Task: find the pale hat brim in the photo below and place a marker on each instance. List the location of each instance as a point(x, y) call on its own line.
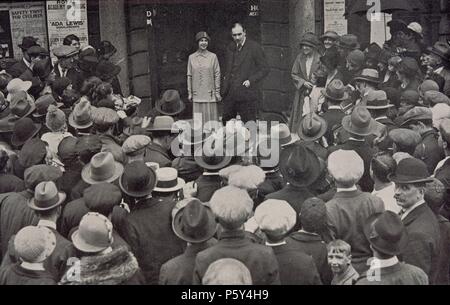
point(83, 246)
point(86, 174)
point(179, 186)
point(76, 125)
point(61, 197)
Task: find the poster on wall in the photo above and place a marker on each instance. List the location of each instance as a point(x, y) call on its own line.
point(65, 18)
point(334, 19)
point(27, 19)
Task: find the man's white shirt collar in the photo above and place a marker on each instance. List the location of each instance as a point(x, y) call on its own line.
point(411, 208)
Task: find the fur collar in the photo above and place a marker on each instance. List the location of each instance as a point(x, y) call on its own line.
point(113, 268)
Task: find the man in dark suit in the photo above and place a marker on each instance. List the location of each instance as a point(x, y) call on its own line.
point(442, 171)
point(66, 65)
point(26, 63)
point(334, 95)
point(246, 68)
point(423, 247)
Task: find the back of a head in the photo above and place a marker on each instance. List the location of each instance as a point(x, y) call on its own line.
point(435, 195)
point(227, 271)
point(382, 165)
point(313, 215)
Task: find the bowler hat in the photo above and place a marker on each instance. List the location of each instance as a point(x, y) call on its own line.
point(442, 50)
point(24, 129)
point(81, 116)
point(168, 180)
point(170, 103)
point(194, 223)
point(312, 127)
point(102, 168)
point(213, 155)
point(386, 233)
point(360, 122)
point(377, 99)
point(330, 34)
point(21, 106)
point(137, 179)
point(46, 197)
point(410, 170)
point(349, 42)
point(201, 35)
point(106, 70)
point(368, 75)
point(309, 39)
point(94, 234)
point(28, 42)
point(335, 91)
point(299, 165)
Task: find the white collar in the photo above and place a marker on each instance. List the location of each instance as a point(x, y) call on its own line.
point(411, 208)
point(378, 263)
point(271, 171)
point(380, 118)
point(306, 232)
point(28, 64)
point(61, 71)
point(336, 107)
point(439, 70)
point(358, 140)
point(47, 223)
point(210, 174)
point(350, 189)
point(33, 266)
point(440, 164)
point(243, 42)
point(275, 244)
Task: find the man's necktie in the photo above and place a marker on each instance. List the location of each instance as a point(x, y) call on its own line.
point(239, 47)
point(402, 211)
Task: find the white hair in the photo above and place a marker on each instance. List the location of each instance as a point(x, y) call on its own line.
point(345, 166)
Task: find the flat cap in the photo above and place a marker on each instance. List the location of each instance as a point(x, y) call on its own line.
point(405, 137)
point(417, 114)
point(275, 217)
point(410, 97)
point(135, 143)
point(435, 97)
point(65, 51)
point(104, 116)
point(37, 50)
point(40, 173)
point(444, 128)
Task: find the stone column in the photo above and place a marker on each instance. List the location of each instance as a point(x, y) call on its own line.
point(113, 28)
point(301, 20)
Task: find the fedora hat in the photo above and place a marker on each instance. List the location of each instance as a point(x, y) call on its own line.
point(442, 50)
point(21, 105)
point(386, 233)
point(377, 99)
point(335, 91)
point(163, 123)
point(102, 168)
point(94, 234)
point(310, 39)
point(46, 197)
point(299, 165)
point(194, 223)
point(170, 103)
point(312, 127)
point(213, 155)
point(28, 42)
point(137, 179)
point(16, 85)
point(368, 75)
point(360, 122)
point(106, 70)
point(168, 180)
point(410, 170)
point(23, 130)
point(81, 116)
point(42, 104)
point(283, 134)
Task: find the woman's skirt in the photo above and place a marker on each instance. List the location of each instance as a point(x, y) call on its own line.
point(208, 110)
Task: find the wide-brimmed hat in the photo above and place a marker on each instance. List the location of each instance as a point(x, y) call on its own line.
point(170, 103)
point(410, 170)
point(168, 180)
point(16, 85)
point(377, 99)
point(102, 168)
point(299, 165)
point(24, 129)
point(386, 233)
point(335, 91)
point(28, 42)
point(106, 70)
point(94, 234)
point(137, 180)
point(21, 105)
point(282, 133)
point(442, 50)
point(201, 35)
point(309, 39)
point(46, 197)
point(163, 123)
point(81, 116)
point(42, 104)
point(360, 122)
point(194, 223)
point(349, 42)
point(330, 34)
point(312, 127)
point(213, 155)
point(368, 75)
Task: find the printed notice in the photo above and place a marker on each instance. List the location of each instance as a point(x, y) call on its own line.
point(334, 19)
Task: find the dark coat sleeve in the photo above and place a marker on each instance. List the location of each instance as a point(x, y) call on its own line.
point(261, 64)
point(419, 251)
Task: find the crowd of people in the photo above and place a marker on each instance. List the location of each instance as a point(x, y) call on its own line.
point(92, 192)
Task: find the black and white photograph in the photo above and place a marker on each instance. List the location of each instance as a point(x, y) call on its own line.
point(225, 142)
